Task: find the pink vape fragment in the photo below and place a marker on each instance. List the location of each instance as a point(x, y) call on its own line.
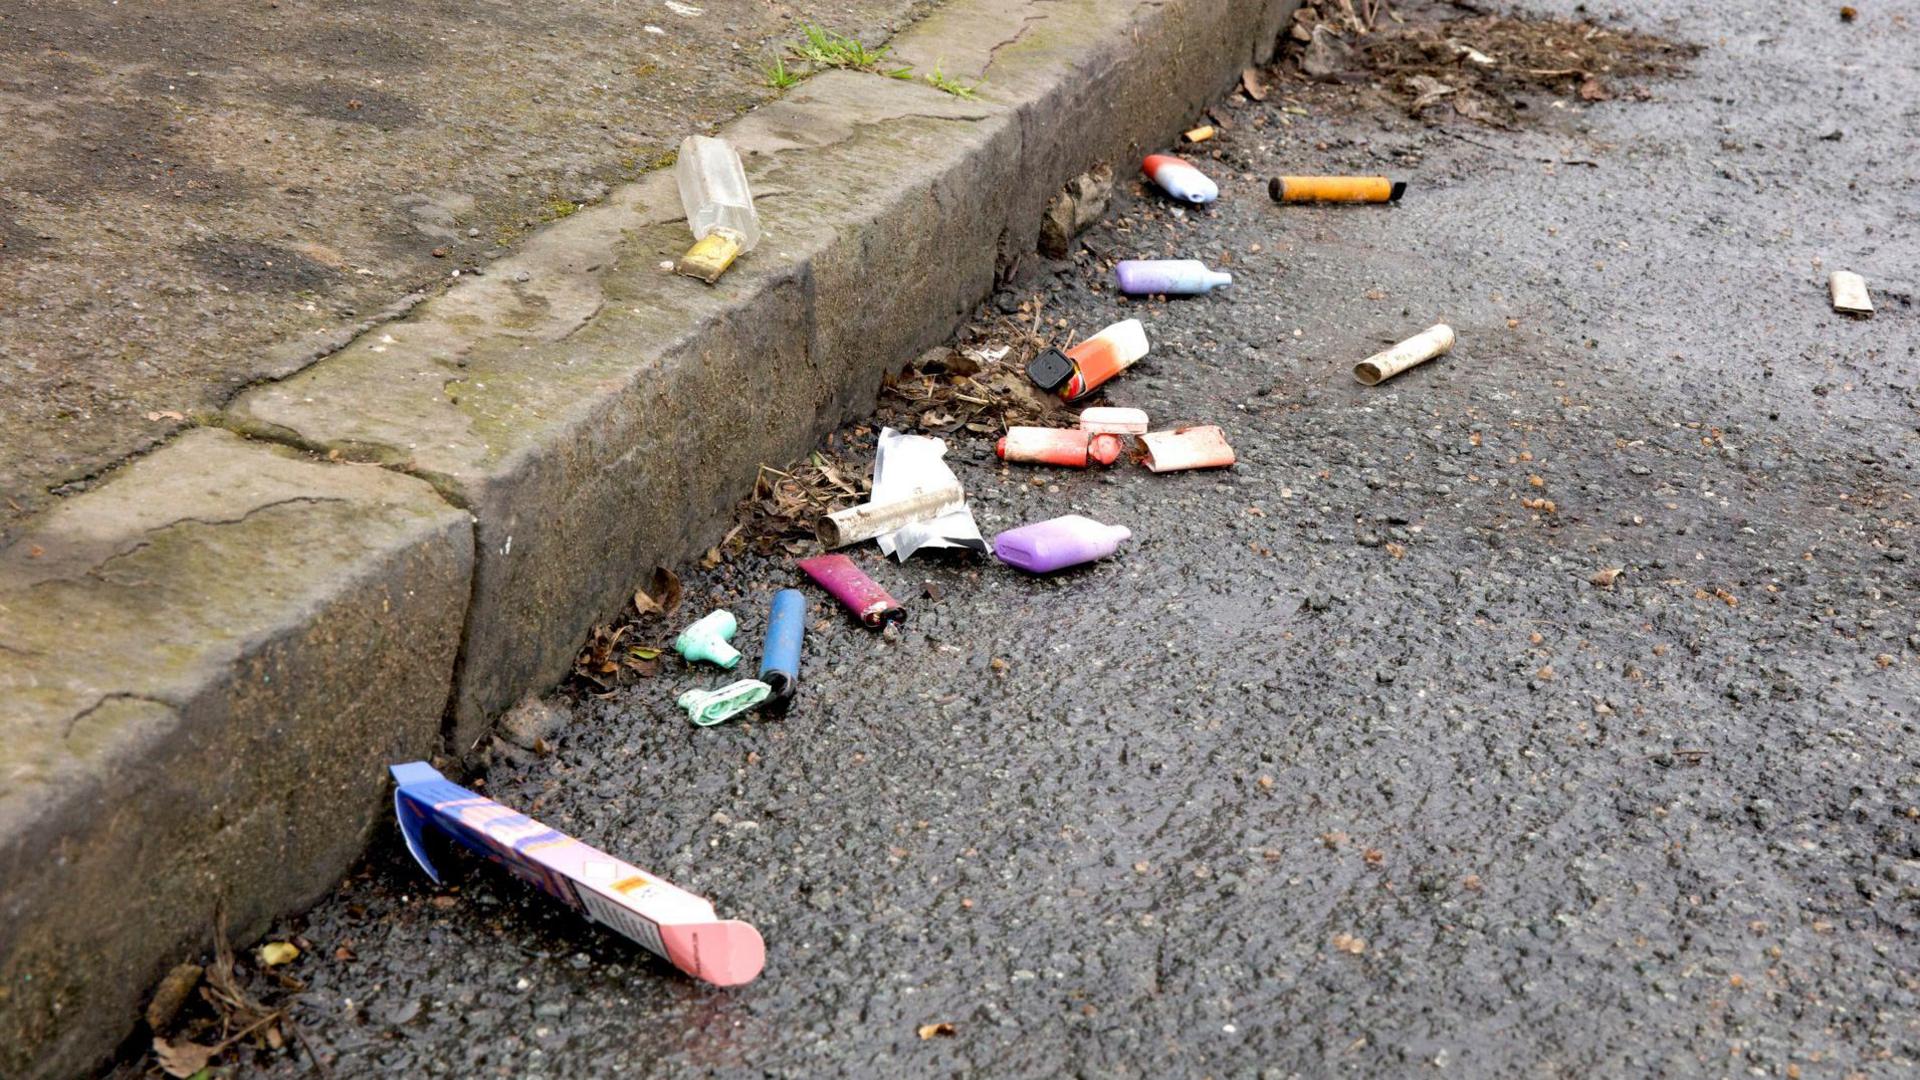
point(860, 593)
point(1178, 178)
point(670, 921)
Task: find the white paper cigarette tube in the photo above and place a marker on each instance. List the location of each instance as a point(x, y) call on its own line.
point(1412, 352)
point(868, 520)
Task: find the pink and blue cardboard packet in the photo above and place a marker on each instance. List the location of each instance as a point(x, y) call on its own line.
point(676, 925)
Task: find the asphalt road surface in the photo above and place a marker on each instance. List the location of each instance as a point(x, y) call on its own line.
point(1345, 763)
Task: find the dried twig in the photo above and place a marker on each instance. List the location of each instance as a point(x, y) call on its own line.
point(319, 1063)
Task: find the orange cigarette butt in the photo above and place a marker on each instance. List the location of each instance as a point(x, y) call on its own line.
point(1200, 134)
point(1303, 189)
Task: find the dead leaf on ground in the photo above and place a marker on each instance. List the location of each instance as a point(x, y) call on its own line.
point(662, 594)
point(993, 395)
point(275, 953)
point(1592, 89)
point(596, 660)
point(1474, 107)
point(785, 504)
point(643, 661)
point(1605, 578)
point(1472, 54)
point(1426, 90)
point(224, 990)
point(187, 1059)
point(937, 1031)
point(238, 1014)
point(172, 994)
point(182, 1059)
point(1253, 84)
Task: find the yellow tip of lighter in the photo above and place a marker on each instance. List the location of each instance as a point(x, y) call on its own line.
point(710, 256)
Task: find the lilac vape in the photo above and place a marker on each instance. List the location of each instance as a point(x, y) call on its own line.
point(1168, 277)
point(1046, 546)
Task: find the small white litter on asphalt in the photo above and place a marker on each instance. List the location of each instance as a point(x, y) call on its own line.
point(1850, 293)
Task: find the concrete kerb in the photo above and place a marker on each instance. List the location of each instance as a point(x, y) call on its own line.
point(206, 662)
point(596, 416)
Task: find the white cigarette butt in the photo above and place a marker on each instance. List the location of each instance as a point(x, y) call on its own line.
point(1412, 352)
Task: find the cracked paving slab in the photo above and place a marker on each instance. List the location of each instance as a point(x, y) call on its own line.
point(465, 381)
point(167, 588)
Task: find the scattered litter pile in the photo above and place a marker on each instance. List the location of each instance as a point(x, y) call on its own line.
point(1018, 381)
point(1013, 382)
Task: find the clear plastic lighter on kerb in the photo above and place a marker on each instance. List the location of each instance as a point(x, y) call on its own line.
point(713, 191)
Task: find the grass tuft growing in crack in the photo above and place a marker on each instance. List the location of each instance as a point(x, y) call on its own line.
point(779, 76)
point(939, 81)
point(823, 48)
